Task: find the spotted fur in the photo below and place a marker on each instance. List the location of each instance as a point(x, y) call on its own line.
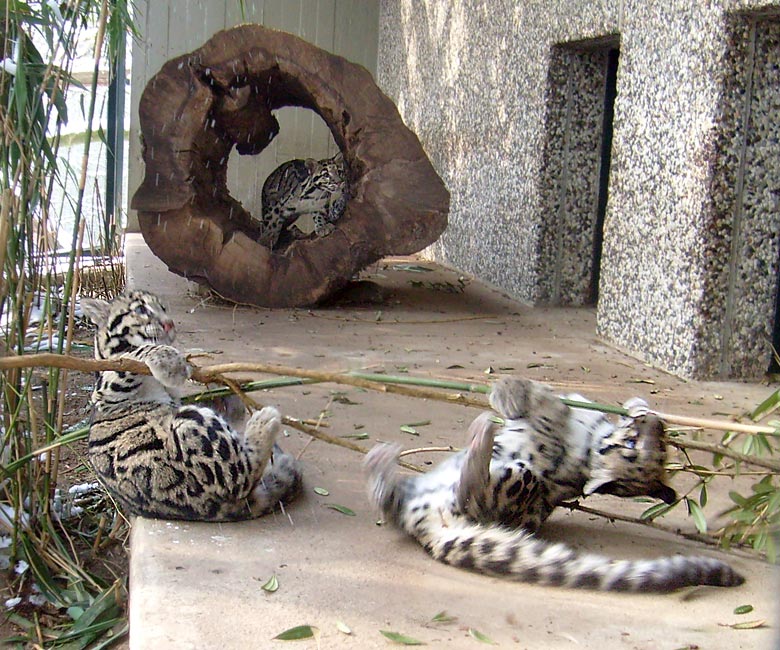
point(159, 458)
point(480, 508)
point(298, 187)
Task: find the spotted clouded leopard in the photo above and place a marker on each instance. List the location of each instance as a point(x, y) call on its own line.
point(299, 187)
point(480, 509)
point(159, 458)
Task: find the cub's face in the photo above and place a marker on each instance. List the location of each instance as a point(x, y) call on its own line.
point(630, 461)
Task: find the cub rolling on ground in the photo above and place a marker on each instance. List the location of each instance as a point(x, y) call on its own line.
point(159, 458)
point(481, 508)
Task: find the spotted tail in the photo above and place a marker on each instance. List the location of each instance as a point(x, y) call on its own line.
point(519, 555)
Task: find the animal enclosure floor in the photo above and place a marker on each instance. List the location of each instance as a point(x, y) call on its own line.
point(200, 585)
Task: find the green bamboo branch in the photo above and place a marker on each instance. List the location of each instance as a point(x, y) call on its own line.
point(419, 387)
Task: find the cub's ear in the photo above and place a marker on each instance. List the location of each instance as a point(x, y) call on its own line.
point(96, 310)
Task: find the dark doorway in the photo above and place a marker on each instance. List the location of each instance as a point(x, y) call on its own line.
point(580, 98)
point(610, 93)
point(774, 365)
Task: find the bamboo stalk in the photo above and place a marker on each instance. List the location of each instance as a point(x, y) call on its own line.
point(410, 386)
point(208, 373)
point(214, 374)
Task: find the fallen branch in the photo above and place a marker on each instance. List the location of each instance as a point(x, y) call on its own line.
point(709, 540)
point(417, 387)
point(425, 388)
point(766, 463)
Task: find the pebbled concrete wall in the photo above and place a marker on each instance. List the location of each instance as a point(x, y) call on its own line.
point(507, 107)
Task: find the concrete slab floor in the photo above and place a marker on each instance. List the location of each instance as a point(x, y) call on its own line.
point(196, 585)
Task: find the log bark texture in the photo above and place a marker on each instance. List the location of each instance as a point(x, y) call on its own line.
point(200, 105)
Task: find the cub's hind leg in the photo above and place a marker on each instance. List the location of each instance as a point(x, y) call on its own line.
point(515, 398)
point(260, 433)
point(281, 472)
point(473, 490)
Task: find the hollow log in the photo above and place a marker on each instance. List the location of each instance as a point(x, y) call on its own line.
point(200, 105)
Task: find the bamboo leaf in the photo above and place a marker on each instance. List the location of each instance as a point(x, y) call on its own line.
point(443, 617)
point(271, 585)
point(656, 511)
point(297, 633)
point(321, 491)
point(737, 498)
point(770, 404)
point(743, 609)
point(481, 637)
point(339, 508)
point(343, 627)
point(694, 509)
point(400, 638)
point(747, 625)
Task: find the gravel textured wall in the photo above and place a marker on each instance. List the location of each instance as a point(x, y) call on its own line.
point(507, 106)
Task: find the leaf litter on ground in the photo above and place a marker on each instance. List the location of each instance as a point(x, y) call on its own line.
point(297, 633)
point(400, 638)
point(339, 508)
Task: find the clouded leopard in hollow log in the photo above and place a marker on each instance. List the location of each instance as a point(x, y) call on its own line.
point(318, 188)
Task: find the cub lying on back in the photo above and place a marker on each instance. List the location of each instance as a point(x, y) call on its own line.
point(160, 459)
point(480, 509)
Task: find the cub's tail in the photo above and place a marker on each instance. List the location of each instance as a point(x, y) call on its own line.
point(523, 557)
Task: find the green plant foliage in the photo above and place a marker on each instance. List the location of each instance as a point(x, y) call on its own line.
point(39, 45)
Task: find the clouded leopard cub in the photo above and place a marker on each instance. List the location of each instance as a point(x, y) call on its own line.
point(160, 459)
point(298, 187)
point(480, 509)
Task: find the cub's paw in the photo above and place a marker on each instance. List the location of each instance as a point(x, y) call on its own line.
point(261, 431)
point(267, 418)
point(168, 366)
point(323, 230)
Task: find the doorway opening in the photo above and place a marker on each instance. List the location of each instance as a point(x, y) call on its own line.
point(581, 93)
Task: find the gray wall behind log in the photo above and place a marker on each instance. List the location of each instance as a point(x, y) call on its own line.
point(175, 27)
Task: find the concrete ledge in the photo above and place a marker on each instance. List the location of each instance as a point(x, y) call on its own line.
point(195, 585)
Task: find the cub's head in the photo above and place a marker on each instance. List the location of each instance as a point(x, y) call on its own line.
point(630, 460)
point(129, 321)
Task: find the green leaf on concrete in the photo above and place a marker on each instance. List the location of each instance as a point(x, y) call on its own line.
point(321, 491)
point(481, 637)
point(297, 633)
point(271, 585)
point(342, 509)
point(400, 638)
point(743, 609)
point(443, 617)
point(770, 404)
point(747, 625)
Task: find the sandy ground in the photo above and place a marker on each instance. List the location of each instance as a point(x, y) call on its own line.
point(199, 585)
